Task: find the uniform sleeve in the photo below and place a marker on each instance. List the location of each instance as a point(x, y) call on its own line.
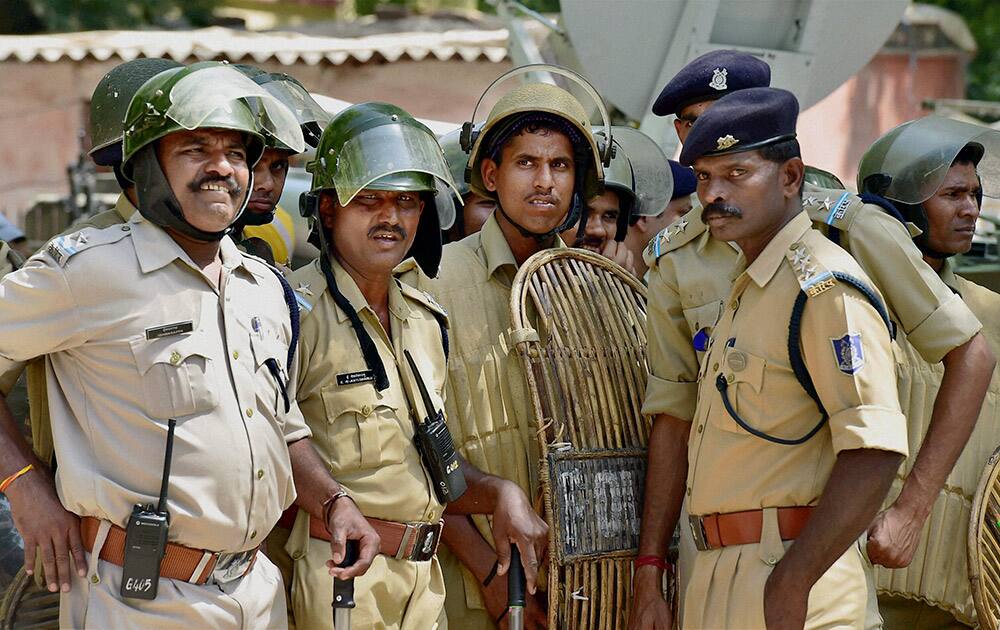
point(936, 321)
point(294, 424)
point(848, 353)
point(672, 387)
point(38, 313)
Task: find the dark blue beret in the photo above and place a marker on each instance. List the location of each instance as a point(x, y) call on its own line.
point(742, 121)
point(712, 76)
point(684, 180)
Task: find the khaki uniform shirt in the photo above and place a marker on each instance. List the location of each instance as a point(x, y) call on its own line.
point(366, 436)
point(152, 340)
point(689, 281)
point(938, 573)
point(847, 351)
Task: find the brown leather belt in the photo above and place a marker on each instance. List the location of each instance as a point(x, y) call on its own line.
point(716, 531)
point(416, 542)
point(179, 562)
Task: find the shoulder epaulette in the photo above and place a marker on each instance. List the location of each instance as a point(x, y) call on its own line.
point(422, 297)
point(835, 208)
point(64, 247)
point(307, 285)
point(813, 277)
point(680, 232)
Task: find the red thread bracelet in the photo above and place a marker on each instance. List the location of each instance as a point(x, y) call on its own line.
point(652, 561)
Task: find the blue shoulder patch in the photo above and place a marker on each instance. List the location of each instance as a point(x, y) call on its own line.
point(848, 353)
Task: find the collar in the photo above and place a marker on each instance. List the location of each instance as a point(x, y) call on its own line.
point(155, 249)
point(497, 250)
point(767, 263)
point(948, 275)
point(397, 303)
point(124, 208)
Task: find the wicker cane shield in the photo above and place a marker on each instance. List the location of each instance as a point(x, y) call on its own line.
point(984, 545)
point(579, 328)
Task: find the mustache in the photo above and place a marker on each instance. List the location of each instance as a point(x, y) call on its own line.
point(385, 227)
point(721, 209)
point(229, 182)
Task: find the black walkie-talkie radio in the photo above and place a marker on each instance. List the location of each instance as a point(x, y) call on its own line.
point(146, 537)
point(436, 446)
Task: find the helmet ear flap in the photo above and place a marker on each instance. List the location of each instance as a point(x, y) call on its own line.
point(876, 184)
point(469, 136)
point(309, 204)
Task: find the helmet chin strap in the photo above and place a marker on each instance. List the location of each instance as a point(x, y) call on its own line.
point(159, 205)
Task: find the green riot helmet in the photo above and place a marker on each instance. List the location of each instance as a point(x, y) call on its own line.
point(548, 104)
point(639, 173)
point(378, 146)
point(287, 89)
point(823, 179)
point(908, 165)
point(108, 105)
point(206, 95)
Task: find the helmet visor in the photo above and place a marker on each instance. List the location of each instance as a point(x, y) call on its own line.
point(640, 165)
point(387, 149)
point(917, 156)
point(210, 92)
point(296, 98)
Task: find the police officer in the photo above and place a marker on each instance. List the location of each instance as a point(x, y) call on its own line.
point(537, 158)
point(642, 229)
point(689, 282)
point(381, 191)
point(794, 443)
point(265, 229)
point(637, 184)
point(933, 590)
point(187, 329)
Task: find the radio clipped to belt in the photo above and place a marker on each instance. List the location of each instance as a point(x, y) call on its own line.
point(146, 537)
point(434, 442)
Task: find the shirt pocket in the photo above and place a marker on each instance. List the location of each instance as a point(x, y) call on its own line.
point(363, 431)
point(701, 321)
point(271, 378)
point(743, 374)
point(177, 375)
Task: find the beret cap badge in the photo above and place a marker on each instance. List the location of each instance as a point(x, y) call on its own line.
point(718, 81)
point(725, 142)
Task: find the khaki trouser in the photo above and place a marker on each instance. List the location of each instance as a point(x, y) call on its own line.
point(725, 587)
point(254, 601)
point(464, 607)
point(393, 594)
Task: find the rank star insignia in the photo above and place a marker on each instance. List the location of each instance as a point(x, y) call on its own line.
point(718, 81)
point(681, 226)
point(827, 204)
point(80, 239)
point(725, 142)
point(800, 257)
point(810, 200)
point(304, 289)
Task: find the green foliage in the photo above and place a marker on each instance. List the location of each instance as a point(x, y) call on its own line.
point(983, 18)
point(86, 15)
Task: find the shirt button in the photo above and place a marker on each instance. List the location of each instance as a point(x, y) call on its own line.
point(701, 428)
point(236, 354)
point(771, 561)
point(730, 378)
point(125, 228)
point(253, 534)
point(94, 579)
point(366, 410)
point(734, 304)
point(297, 555)
point(249, 412)
point(715, 367)
point(175, 357)
point(260, 473)
point(689, 491)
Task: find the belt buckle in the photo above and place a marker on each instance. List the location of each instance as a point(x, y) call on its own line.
point(232, 566)
point(697, 527)
point(425, 539)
